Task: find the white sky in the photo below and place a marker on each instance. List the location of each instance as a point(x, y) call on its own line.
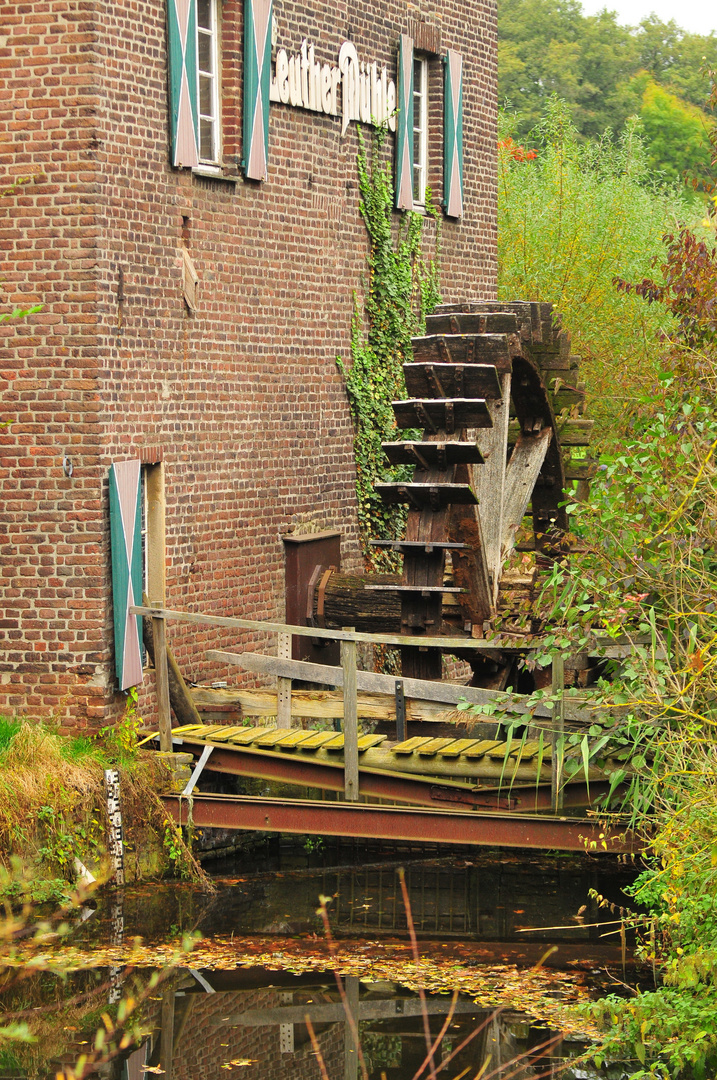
point(697, 16)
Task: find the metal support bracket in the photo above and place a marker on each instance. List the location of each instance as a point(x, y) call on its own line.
point(400, 711)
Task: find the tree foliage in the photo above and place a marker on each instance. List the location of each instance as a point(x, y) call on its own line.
point(570, 220)
point(606, 73)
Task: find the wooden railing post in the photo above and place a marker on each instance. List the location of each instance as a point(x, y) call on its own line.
point(283, 685)
point(351, 770)
point(558, 740)
point(159, 637)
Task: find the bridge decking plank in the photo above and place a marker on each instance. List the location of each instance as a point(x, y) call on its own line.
point(432, 747)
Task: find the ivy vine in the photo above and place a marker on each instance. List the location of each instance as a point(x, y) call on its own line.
point(402, 288)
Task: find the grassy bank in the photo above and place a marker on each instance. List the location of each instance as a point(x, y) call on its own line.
point(53, 806)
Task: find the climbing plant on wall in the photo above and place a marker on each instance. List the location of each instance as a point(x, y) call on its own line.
point(400, 290)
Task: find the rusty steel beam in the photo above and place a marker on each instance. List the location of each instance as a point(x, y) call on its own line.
point(397, 787)
point(397, 823)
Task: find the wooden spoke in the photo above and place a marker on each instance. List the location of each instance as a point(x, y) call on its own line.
point(520, 478)
point(489, 480)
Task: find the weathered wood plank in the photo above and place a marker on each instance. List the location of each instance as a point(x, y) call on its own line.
point(408, 746)
point(323, 705)
point(489, 482)
point(247, 737)
point(451, 380)
point(456, 747)
point(436, 496)
point(433, 746)
point(271, 738)
point(159, 640)
point(297, 736)
point(442, 414)
point(447, 693)
point(318, 739)
point(570, 432)
point(522, 471)
point(351, 770)
point(227, 733)
point(435, 455)
point(445, 643)
point(462, 348)
point(483, 748)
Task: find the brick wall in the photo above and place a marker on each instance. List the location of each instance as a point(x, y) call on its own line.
point(51, 527)
point(243, 398)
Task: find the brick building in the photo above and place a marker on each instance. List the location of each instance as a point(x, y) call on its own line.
point(185, 210)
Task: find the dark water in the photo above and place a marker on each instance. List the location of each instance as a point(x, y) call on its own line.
point(248, 1021)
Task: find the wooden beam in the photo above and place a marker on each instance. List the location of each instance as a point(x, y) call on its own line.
point(349, 679)
point(604, 645)
point(522, 471)
point(446, 643)
point(446, 693)
point(489, 480)
point(322, 705)
point(180, 698)
point(164, 715)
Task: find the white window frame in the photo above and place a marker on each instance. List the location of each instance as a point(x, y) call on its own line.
point(420, 129)
point(213, 119)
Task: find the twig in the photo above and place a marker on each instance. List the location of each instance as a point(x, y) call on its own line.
point(438, 1039)
point(316, 1048)
point(416, 957)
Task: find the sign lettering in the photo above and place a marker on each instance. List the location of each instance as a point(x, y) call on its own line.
point(367, 93)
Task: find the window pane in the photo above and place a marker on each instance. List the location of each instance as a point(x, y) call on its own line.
point(206, 150)
point(204, 14)
point(417, 70)
point(205, 52)
point(205, 96)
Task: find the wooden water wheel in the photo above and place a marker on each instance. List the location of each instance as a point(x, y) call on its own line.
point(494, 388)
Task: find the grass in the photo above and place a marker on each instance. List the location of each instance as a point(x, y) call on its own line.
point(53, 805)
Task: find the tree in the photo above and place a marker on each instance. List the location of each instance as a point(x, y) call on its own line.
point(605, 73)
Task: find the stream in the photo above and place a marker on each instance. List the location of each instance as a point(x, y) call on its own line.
point(258, 980)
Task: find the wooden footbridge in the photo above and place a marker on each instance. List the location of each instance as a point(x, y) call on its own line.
point(457, 788)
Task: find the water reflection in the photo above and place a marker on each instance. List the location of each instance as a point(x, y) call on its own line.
point(273, 1025)
point(451, 899)
point(260, 1025)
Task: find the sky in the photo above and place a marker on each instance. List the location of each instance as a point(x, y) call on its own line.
point(697, 16)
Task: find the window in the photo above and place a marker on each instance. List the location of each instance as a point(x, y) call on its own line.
point(420, 129)
point(208, 79)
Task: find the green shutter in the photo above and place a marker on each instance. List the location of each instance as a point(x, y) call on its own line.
point(126, 542)
point(404, 125)
point(183, 104)
point(453, 135)
point(257, 77)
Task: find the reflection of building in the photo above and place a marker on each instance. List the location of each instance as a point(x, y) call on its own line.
point(195, 242)
point(210, 1021)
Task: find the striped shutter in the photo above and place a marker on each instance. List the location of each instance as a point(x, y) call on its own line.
point(183, 104)
point(453, 135)
point(126, 541)
point(404, 125)
point(257, 77)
